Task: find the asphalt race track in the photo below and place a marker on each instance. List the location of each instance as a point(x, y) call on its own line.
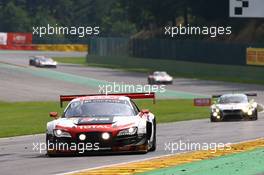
point(48, 84)
point(18, 157)
point(19, 82)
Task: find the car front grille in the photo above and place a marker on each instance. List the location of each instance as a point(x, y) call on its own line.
point(95, 137)
point(232, 112)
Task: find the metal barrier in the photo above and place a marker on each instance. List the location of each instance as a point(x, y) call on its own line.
point(215, 52)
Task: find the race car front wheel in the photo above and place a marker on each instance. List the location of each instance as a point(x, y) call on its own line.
point(48, 153)
point(213, 119)
point(154, 143)
point(150, 81)
point(255, 117)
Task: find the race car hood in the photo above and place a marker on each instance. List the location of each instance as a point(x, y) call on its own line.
point(115, 121)
point(163, 78)
point(232, 106)
point(47, 62)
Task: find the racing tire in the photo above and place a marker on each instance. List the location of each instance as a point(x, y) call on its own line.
point(150, 81)
point(48, 154)
point(154, 143)
point(31, 63)
point(255, 117)
point(213, 119)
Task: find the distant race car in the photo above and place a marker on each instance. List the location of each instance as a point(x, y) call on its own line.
point(234, 106)
point(159, 77)
point(42, 61)
point(111, 123)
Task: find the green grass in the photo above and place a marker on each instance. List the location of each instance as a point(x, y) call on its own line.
point(23, 118)
point(71, 60)
point(174, 110)
point(229, 73)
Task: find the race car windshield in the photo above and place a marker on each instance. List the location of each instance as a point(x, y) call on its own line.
point(160, 74)
point(45, 59)
point(233, 99)
point(99, 108)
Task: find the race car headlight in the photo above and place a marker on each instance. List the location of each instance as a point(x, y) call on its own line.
point(105, 135)
point(215, 114)
point(245, 109)
point(82, 137)
point(215, 110)
point(250, 112)
point(254, 105)
point(129, 131)
point(61, 133)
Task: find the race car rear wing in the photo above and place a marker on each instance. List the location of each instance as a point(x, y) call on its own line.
point(247, 94)
point(64, 98)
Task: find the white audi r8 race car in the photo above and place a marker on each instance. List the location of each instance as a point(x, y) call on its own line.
point(234, 106)
point(160, 78)
point(102, 123)
point(42, 61)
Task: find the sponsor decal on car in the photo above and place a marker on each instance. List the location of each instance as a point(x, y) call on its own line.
point(93, 126)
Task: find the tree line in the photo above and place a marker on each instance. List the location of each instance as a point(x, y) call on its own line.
point(116, 17)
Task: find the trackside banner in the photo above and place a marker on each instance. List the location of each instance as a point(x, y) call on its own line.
point(255, 56)
point(202, 102)
point(3, 38)
point(16, 41)
point(19, 38)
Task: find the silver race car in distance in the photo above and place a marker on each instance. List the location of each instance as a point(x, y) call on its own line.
point(160, 77)
point(234, 107)
point(42, 61)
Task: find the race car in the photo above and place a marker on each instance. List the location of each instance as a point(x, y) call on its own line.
point(42, 61)
point(234, 106)
point(102, 123)
point(159, 77)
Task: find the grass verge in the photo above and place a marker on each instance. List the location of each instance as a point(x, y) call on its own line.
point(23, 118)
point(71, 60)
point(229, 73)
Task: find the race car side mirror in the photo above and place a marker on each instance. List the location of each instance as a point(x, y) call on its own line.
point(144, 111)
point(53, 114)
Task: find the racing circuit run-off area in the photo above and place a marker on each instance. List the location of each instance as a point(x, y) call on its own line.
point(115, 87)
